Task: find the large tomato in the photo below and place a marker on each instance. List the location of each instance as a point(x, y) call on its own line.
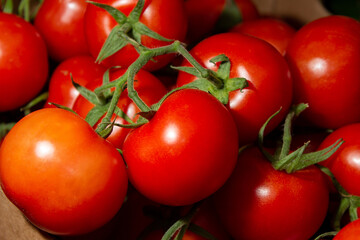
point(64, 177)
point(149, 88)
point(323, 57)
point(270, 85)
point(167, 18)
point(23, 62)
point(259, 202)
point(185, 152)
point(275, 31)
point(82, 69)
point(61, 23)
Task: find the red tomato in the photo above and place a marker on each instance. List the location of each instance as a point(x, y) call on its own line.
point(167, 18)
point(64, 177)
point(248, 9)
point(21, 47)
point(323, 57)
point(275, 31)
point(270, 86)
point(350, 231)
point(83, 70)
point(186, 152)
point(344, 163)
point(61, 23)
point(204, 14)
point(259, 202)
point(149, 88)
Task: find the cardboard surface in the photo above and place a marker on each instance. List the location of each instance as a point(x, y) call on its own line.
point(298, 12)
point(13, 224)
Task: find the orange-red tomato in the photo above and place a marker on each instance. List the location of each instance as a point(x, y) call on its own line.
point(64, 177)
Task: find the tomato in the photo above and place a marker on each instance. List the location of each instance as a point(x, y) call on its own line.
point(259, 202)
point(185, 152)
point(203, 15)
point(270, 85)
point(20, 46)
point(248, 9)
point(82, 69)
point(167, 18)
point(275, 31)
point(149, 88)
point(350, 231)
point(61, 23)
point(323, 57)
point(344, 163)
point(49, 168)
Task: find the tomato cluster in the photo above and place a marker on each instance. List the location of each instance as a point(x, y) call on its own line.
point(158, 119)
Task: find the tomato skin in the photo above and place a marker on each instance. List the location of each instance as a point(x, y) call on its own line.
point(203, 15)
point(344, 162)
point(49, 168)
point(181, 155)
point(259, 202)
point(167, 18)
point(21, 46)
point(270, 85)
point(323, 57)
point(149, 88)
point(82, 69)
point(61, 23)
point(275, 31)
point(351, 231)
point(248, 9)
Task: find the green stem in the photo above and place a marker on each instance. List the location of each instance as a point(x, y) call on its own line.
point(114, 100)
point(204, 72)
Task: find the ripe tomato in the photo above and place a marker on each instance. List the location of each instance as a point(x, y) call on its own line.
point(259, 202)
point(61, 23)
point(204, 14)
point(186, 152)
point(83, 70)
point(275, 31)
point(149, 88)
point(20, 46)
point(167, 18)
point(351, 231)
point(270, 85)
point(323, 57)
point(344, 163)
point(64, 177)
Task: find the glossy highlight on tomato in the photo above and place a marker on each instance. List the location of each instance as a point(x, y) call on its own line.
point(259, 202)
point(323, 57)
point(20, 47)
point(61, 24)
point(185, 152)
point(49, 168)
point(265, 69)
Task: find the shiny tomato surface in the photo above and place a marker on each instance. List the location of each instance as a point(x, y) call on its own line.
point(24, 65)
point(64, 177)
point(61, 24)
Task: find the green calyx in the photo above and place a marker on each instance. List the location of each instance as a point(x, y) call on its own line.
point(218, 83)
point(128, 31)
point(288, 161)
